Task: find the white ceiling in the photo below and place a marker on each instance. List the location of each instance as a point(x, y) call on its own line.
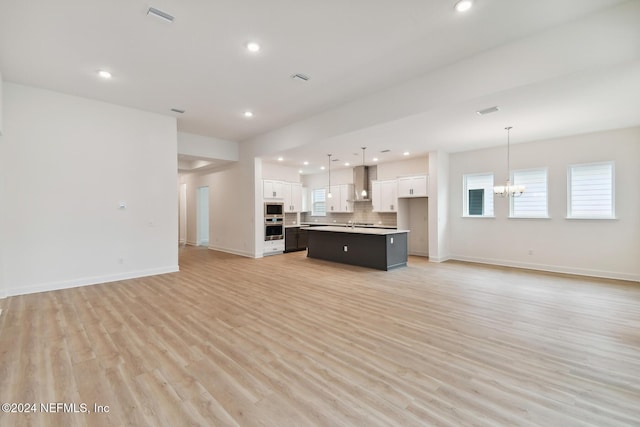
point(416, 68)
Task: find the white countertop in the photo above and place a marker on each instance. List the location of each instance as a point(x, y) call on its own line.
point(345, 224)
point(358, 230)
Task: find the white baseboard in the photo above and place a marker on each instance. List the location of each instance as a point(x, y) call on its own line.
point(439, 259)
point(418, 253)
point(551, 268)
point(232, 251)
point(86, 281)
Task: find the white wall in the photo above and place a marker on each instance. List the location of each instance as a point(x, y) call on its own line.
point(321, 180)
point(438, 206)
point(278, 172)
point(391, 170)
point(1, 115)
point(66, 163)
point(3, 291)
point(211, 148)
point(412, 166)
point(232, 207)
point(607, 248)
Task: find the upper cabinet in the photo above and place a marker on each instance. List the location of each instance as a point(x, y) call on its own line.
point(384, 196)
point(341, 196)
point(413, 186)
point(272, 189)
point(289, 192)
point(292, 196)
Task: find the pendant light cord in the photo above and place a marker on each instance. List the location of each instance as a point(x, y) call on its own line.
point(508, 128)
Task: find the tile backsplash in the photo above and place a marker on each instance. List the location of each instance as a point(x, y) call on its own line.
point(363, 213)
point(290, 219)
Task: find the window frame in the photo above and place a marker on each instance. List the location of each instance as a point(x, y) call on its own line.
point(488, 193)
point(513, 200)
point(570, 212)
point(315, 212)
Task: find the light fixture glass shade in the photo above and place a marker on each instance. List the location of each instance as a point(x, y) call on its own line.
point(364, 193)
point(463, 5)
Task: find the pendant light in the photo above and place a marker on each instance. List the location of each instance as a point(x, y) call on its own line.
point(329, 195)
point(508, 190)
point(364, 190)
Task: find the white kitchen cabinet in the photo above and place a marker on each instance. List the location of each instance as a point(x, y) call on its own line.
point(292, 195)
point(272, 247)
point(341, 200)
point(413, 186)
point(272, 189)
point(384, 196)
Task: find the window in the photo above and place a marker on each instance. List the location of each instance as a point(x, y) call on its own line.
point(590, 188)
point(318, 202)
point(478, 195)
point(533, 202)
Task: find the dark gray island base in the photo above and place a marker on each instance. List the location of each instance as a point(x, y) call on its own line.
point(382, 249)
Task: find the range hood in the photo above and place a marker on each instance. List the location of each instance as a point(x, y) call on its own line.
point(362, 176)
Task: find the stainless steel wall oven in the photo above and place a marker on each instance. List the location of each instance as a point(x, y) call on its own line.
point(274, 228)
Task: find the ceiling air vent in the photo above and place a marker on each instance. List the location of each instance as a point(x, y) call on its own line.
point(160, 14)
point(488, 110)
point(177, 110)
point(300, 77)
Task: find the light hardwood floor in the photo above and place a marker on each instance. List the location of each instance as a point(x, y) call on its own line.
point(290, 341)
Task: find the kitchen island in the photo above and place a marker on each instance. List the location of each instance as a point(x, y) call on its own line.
point(378, 248)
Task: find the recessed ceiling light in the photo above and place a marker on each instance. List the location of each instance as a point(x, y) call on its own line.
point(406, 153)
point(280, 159)
point(322, 168)
point(347, 164)
point(104, 74)
point(253, 47)
point(464, 5)
point(375, 159)
point(305, 163)
point(248, 114)
point(299, 170)
point(160, 14)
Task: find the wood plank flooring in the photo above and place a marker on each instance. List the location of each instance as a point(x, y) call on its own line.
point(291, 341)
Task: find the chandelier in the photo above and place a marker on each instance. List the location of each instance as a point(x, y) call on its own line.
point(508, 190)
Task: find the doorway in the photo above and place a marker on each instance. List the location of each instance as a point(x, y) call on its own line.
point(413, 215)
point(202, 216)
